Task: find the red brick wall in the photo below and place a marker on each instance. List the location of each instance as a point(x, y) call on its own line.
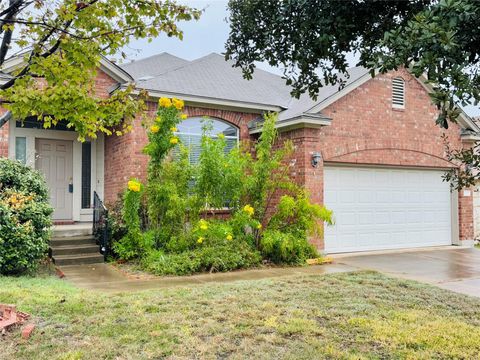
point(103, 83)
point(366, 130)
point(3, 137)
point(124, 157)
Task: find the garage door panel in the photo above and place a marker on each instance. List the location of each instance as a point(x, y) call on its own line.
point(379, 208)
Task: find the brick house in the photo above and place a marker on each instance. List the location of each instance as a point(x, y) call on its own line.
point(371, 152)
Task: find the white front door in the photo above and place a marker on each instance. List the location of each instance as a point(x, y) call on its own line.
point(380, 208)
point(54, 159)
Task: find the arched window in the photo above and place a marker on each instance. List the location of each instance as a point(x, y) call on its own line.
point(190, 133)
point(398, 93)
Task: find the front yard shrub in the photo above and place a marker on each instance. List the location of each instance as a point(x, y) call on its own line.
point(298, 216)
point(217, 258)
point(182, 235)
point(132, 244)
point(24, 217)
point(287, 248)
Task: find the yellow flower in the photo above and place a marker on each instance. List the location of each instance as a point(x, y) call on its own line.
point(200, 240)
point(259, 226)
point(134, 185)
point(203, 224)
point(221, 136)
point(154, 129)
point(183, 116)
point(165, 102)
point(174, 140)
point(249, 210)
point(173, 129)
point(178, 103)
point(229, 237)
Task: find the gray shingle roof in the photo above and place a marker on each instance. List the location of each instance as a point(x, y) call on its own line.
point(213, 77)
point(153, 66)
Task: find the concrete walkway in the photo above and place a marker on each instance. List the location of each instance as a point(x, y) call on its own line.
point(107, 278)
point(452, 268)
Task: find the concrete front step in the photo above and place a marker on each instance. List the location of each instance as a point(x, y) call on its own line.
point(78, 259)
point(72, 240)
point(74, 244)
point(80, 229)
point(74, 249)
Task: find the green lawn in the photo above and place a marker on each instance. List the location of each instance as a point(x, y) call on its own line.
point(351, 316)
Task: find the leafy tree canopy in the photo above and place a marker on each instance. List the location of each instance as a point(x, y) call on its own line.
point(311, 39)
point(62, 43)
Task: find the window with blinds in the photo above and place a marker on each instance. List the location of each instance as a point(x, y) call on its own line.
point(398, 93)
point(190, 134)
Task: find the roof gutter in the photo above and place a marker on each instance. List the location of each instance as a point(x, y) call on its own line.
point(206, 101)
point(305, 120)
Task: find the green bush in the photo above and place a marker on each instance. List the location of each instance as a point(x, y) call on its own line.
point(24, 217)
point(287, 248)
point(132, 244)
point(297, 215)
point(179, 195)
point(218, 258)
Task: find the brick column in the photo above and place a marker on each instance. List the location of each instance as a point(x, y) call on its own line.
point(465, 215)
point(4, 140)
point(306, 142)
point(465, 209)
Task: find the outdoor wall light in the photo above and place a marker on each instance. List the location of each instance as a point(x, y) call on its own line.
point(316, 157)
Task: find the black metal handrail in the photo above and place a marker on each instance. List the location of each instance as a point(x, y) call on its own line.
point(100, 225)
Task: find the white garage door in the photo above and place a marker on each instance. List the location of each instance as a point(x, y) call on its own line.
point(379, 208)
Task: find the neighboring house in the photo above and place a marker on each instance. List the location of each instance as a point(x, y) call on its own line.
point(371, 151)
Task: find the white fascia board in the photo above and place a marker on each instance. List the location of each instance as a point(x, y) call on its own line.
point(115, 71)
point(209, 101)
point(302, 121)
point(470, 137)
point(13, 64)
point(105, 65)
point(466, 122)
point(4, 78)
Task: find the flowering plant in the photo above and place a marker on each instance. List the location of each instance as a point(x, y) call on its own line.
point(160, 133)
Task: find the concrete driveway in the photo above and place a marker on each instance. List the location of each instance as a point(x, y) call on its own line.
point(452, 268)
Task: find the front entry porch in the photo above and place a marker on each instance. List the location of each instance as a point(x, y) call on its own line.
point(73, 170)
point(74, 245)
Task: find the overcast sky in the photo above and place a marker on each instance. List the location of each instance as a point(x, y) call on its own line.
point(202, 38)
